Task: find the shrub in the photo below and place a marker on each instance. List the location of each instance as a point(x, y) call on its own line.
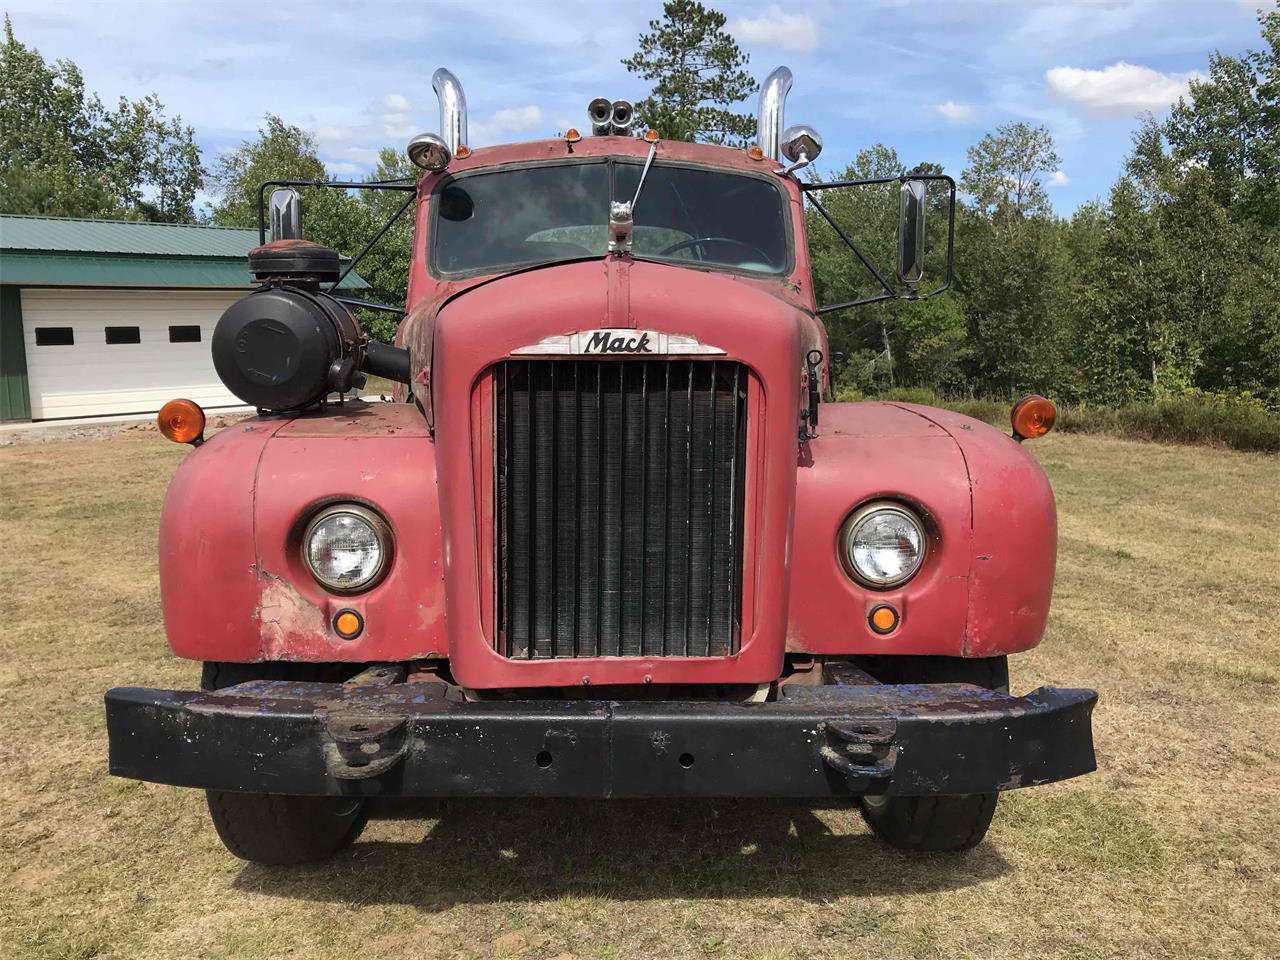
point(1183, 419)
point(1240, 421)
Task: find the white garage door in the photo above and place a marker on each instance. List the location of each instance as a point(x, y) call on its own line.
point(97, 352)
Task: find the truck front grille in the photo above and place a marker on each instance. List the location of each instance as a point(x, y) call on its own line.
point(620, 507)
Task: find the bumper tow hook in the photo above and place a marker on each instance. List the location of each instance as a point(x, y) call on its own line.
point(862, 750)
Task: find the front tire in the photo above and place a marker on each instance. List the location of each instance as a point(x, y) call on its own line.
point(276, 830)
point(939, 823)
point(930, 824)
point(285, 831)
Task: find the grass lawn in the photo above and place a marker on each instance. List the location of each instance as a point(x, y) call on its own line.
point(1168, 601)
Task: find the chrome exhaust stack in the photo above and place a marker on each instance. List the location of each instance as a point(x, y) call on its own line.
point(771, 112)
point(453, 109)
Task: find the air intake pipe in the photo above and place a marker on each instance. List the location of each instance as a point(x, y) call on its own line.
point(771, 112)
point(453, 109)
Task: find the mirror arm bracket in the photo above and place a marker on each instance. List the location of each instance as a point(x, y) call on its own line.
point(809, 189)
point(849, 242)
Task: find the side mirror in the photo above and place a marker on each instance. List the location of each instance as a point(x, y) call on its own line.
point(286, 214)
point(911, 203)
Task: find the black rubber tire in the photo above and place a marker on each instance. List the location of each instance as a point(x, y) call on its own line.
point(280, 830)
point(943, 823)
point(285, 831)
point(930, 824)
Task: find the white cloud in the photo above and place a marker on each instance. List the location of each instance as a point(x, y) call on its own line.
point(1119, 88)
point(955, 112)
point(395, 114)
point(1059, 179)
point(502, 123)
point(790, 31)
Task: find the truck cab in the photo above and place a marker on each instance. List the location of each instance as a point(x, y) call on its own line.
point(612, 537)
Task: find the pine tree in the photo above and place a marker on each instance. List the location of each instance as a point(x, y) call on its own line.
point(698, 72)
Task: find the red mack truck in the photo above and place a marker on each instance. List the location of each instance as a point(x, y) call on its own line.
point(612, 538)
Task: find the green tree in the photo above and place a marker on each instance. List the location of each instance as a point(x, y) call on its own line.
point(1230, 126)
point(280, 152)
point(341, 219)
point(1009, 262)
point(63, 154)
point(698, 73)
point(1006, 172)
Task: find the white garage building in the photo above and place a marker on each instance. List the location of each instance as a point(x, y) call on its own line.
point(101, 317)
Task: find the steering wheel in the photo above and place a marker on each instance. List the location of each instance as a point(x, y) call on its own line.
point(694, 241)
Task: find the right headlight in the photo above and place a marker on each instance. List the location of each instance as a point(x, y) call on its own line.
point(882, 544)
point(347, 547)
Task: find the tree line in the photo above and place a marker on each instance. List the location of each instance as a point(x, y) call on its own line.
point(1170, 286)
point(1167, 287)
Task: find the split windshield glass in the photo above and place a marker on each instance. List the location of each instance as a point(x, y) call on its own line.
point(503, 219)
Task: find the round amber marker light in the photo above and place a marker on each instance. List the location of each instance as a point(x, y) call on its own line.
point(572, 135)
point(651, 135)
point(462, 152)
point(1033, 417)
point(883, 618)
point(181, 421)
point(755, 153)
point(348, 624)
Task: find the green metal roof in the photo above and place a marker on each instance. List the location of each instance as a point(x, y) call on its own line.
point(66, 235)
point(41, 269)
point(60, 251)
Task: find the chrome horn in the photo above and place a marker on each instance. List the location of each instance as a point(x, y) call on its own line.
point(770, 114)
point(600, 113)
point(453, 109)
point(623, 115)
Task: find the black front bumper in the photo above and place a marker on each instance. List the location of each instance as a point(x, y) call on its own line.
point(411, 739)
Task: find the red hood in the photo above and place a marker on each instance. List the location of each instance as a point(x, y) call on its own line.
point(494, 317)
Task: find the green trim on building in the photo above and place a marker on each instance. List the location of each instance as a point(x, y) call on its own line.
point(15, 400)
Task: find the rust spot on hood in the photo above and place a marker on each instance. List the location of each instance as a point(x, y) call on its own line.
point(287, 621)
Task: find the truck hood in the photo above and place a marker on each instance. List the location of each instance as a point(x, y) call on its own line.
point(498, 316)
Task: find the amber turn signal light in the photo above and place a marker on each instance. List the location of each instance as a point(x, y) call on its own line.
point(182, 421)
point(1033, 416)
point(883, 619)
point(347, 624)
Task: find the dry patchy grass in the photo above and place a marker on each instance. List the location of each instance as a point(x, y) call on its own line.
point(1168, 600)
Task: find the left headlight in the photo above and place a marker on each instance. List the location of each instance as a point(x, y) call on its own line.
point(882, 544)
point(347, 547)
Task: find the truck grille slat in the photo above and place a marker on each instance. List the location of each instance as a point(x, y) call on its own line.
point(620, 501)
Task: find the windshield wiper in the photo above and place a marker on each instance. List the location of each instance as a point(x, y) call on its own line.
point(621, 212)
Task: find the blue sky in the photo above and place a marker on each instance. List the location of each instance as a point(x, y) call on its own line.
point(927, 77)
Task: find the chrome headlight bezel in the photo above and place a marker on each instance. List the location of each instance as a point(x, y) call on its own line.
point(370, 518)
point(848, 533)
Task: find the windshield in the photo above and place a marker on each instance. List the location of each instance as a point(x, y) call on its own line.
point(494, 221)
